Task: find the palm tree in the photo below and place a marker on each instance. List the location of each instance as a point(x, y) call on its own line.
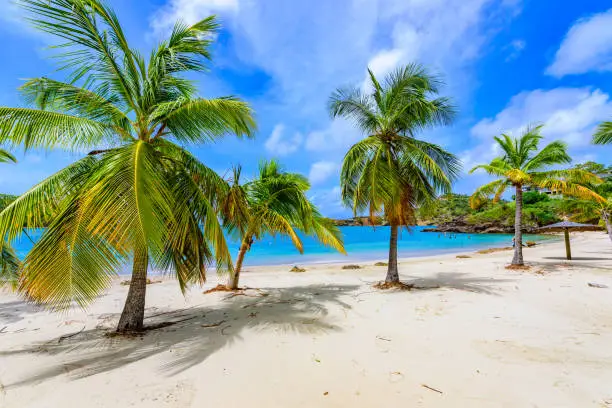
point(522, 165)
point(603, 135)
point(594, 207)
point(390, 171)
point(274, 203)
point(138, 196)
point(9, 262)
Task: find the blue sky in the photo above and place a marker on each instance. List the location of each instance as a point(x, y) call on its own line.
point(507, 63)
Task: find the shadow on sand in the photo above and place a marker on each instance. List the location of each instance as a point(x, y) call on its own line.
point(15, 311)
point(457, 281)
point(196, 333)
point(578, 258)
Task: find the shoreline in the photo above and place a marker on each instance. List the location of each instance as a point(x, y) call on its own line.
point(327, 338)
point(555, 238)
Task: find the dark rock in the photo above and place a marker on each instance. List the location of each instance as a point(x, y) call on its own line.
point(462, 226)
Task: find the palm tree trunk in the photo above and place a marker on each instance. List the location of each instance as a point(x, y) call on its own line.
point(392, 274)
point(606, 217)
point(132, 317)
point(244, 247)
point(518, 224)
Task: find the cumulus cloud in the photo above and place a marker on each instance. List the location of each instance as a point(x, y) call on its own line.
point(569, 114)
point(311, 48)
point(189, 11)
point(339, 135)
point(329, 202)
point(279, 145)
point(586, 47)
point(321, 171)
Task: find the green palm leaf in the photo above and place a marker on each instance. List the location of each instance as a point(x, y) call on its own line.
point(390, 171)
point(603, 135)
point(137, 196)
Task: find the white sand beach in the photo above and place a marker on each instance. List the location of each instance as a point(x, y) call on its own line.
point(474, 335)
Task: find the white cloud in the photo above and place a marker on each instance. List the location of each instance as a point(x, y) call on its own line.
point(279, 145)
point(586, 47)
point(567, 113)
point(385, 61)
point(189, 11)
point(515, 49)
point(321, 171)
point(310, 48)
point(339, 135)
point(329, 202)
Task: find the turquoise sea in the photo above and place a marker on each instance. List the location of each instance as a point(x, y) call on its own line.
point(362, 243)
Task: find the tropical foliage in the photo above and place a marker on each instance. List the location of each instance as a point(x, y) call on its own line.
point(522, 165)
point(390, 171)
point(138, 196)
point(594, 210)
point(603, 135)
point(274, 203)
point(9, 262)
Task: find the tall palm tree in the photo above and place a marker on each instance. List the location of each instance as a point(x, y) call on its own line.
point(523, 165)
point(603, 135)
point(138, 196)
point(274, 203)
point(9, 262)
point(390, 171)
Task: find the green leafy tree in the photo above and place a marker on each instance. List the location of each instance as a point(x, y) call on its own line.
point(274, 203)
point(521, 165)
point(593, 209)
point(138, 196)
point(9, 262)
point(390, 171)
point(603, 135)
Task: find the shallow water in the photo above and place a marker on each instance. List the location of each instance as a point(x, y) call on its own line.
point(361, 243)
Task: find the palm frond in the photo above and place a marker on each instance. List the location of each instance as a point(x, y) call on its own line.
point(99, 105)
point(603, 135)
point(482, 193)
point(69, 262)
point(6, 157)
point(34, 128)
point(553, 153)
point(203, 120)
point(9, 266)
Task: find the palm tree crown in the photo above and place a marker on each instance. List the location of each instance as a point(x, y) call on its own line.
point(390, 170)
point(137, 195)
point(603, 135)
point(275, 202)
point(522, 164)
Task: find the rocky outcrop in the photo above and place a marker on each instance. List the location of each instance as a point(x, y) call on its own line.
point(461, 226)
point(359, 222)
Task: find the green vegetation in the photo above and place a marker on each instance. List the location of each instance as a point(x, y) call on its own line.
point(538, 210)
point(523, 165)
point(9, 262)
point(390, 171)
point(603, 135)
point(274, 203)
point(138, 196)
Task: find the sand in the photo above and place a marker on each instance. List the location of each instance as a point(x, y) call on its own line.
point(474, 335)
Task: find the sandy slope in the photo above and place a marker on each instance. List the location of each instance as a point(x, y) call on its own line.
point(481, 335)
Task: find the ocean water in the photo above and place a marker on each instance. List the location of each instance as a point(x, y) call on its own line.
point(361, 243)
